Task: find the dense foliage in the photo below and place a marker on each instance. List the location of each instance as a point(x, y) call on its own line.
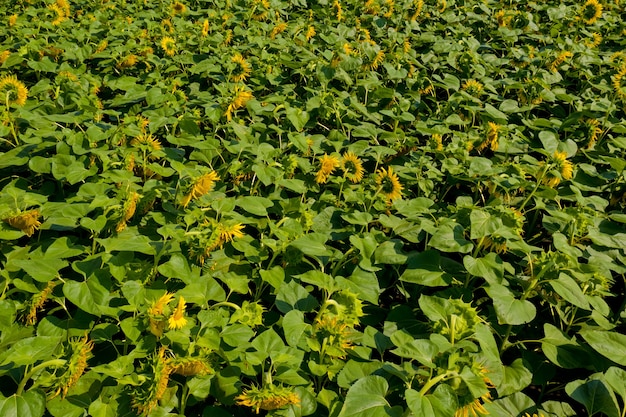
point(335, 208)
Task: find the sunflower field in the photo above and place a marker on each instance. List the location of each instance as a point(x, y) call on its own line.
point(322, 208)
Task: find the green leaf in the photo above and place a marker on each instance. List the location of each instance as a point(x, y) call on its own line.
point(86, 297)
point(30, 350)
point(294, 327)
point(390, 253)
point(128, 240)
point(509, 309)
point(560, 350)
point(312, 244)
point(489, 267)
point(424, 268)
point(515, 378)
point(297, 117)
point(569, 289)
point(595, 396)
point(237, 335)
point(367, 398)
point(317, 278)
point(449, 237)
point(30, 404)
point(608, 344)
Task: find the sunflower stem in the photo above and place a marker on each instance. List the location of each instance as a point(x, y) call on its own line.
point(28, 375)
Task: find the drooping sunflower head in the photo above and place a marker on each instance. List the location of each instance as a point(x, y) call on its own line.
point(472, 87)
point(270, 397)
point(27, 221)
point(12, 91)
point(328, 163)
point(229, 233)
point(78, 352)
point(591, 11)
point(564, 166)
point(205, 28)
point(592, 130)
point(146, 397)
point(389, 184)
point(177, 320)
point(352, 167)
point(178, 8)
point(242, 70)
point(168, 44)
point(618, 84)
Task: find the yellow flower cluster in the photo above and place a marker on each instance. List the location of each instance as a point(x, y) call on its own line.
point(269, 397)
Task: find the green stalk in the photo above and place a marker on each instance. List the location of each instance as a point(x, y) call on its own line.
point(434, 381)
point(28, 375)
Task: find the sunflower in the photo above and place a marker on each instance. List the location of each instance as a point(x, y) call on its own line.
point(243, 70)
point(564, 166)
point(146, 397)
point(376, 61)
point(228, 233)
point(203, 185)
point(27, 222)
point(178, 8)
point(352, 167)
point(168, 45)
point(270, 397)
point(128, 62)
point(240, 99)
point(328, 163)
point(591, 11)
point(177, 320)
point(491, 139)
point(205, 28)
point(472, 87)
point(4, 55)
point(158, 306)
point(79, 351)
point(620, 88)
point(592, 131)
point(554, 66)
point(310, 32)
point(128, 211)
point(389, 184)
point(12, 20)
point(473, 408)
point(12, 90)
point(279, 28)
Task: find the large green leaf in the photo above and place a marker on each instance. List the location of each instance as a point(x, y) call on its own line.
point(608, 344)
point(367, 398)
point(509, 309)
point(29, 404)
point(595, 396)
point(449, 237)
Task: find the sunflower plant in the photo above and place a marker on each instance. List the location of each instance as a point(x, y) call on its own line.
point(297, 209)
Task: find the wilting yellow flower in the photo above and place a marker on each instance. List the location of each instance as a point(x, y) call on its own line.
point(419, 5)
point(554, 66)
point(241, 98)
point(376, 61)
point(279, 28)
point(310, 32)
point(12, 20)
point(593, 129)
point(473, 87)
point(494, 243)
point(147, 396)
point(389, 184)
point(101, 46)
point(203, 185)
point(37, 302)
point(128, 211)
point(565, 167)
point(158, 307)
point(179, 8)
point(205, 28)
point(337, 6)
point(352, 167)
point(620, 88)
point(27, 222)
point(441, 5)
point(4, 55)
point(270, 397)
point(12, 91)
point(243, 69)
point(147, 139)
point(80, 352)
point(591, 11)
point(177, 320)
point(328, 163)
point(168, 45)
point(596, 40)
point(228, 37)
point(190, 366)
point(438, 140)
point(130, 61)
point(491, 139)
point(228, 233)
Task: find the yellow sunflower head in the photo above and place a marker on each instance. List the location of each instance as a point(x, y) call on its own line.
point(270, 397)
point(12, 90)
point(168, 44)
point(178, 8)
point(352, 167)
point(591, 11)
point(389, 184)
